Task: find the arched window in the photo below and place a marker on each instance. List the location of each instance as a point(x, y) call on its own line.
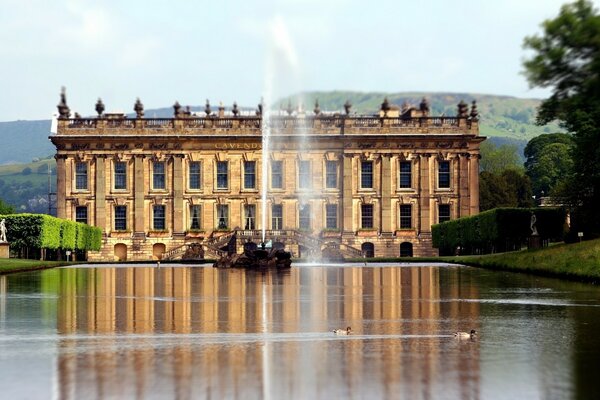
point(406, 249)
point(158, 249)
point(368, 249)
point(120, 252)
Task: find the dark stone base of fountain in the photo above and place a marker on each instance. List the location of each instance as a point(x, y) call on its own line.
point(256, 258)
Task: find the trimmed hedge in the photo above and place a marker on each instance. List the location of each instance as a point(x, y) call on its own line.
point(41, 231)
point(500, 229)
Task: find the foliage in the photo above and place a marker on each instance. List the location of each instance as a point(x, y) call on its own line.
point(496, 159)
point(566, 58)
point(28, 193)
point(6, 208)
point(549, 161)
point(38, 231)
point(509, 188)
point(499, 229)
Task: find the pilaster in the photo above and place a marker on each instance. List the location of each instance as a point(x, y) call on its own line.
point(100, 192)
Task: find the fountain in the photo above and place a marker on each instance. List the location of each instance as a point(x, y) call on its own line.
point(255, 257)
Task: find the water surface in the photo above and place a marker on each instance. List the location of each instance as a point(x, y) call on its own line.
point(197, 332)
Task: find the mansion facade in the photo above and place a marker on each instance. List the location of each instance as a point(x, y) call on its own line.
point(337, 184)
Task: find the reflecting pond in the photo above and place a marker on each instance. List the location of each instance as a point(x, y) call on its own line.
point(185, 332)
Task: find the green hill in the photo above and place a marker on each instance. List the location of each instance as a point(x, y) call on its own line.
point(25, 186)
point(501, 116)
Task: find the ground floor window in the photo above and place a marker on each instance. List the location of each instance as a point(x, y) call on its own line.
point(304, 217)
point(443, 213)
point(250, 217)
point(331, 220)
point(222, 216)
point(405, 216)
point(120, 218)
point(158, 217)
point(195, 222)
point(81, 214)
point(276, 216)
point(366, 214)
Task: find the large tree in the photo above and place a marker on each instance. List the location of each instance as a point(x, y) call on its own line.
point(566, 59)
point(549, 161)
point(6, 208)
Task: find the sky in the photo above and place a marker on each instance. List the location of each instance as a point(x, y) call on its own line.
point(229, 50)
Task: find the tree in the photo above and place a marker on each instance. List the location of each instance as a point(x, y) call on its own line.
point(566, 58)
point(549, 161)
point(6, 208)
point(496, 159)
point(509, 188)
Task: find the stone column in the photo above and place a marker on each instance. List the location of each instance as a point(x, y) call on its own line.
point(100, 192)
point(139, 193)
point(464, 193)
point(178, 179)
point(474, 183)
point(386, 195)
point(61, 187)
point(347, 178)
point(424, 193)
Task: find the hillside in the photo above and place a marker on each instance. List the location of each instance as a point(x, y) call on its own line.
point(501, 116)
point(25, 186)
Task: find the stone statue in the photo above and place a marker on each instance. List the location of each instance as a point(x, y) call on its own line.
point(534, 231)
point(3, 231)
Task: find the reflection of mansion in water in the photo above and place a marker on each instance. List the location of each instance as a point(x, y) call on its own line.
point(338, 184)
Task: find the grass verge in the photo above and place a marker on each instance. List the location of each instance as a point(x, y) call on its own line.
point(12, 265)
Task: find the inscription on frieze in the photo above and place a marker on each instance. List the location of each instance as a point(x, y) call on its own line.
point(120, 146)
point(80, 146)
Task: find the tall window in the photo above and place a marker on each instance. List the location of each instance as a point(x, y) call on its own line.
point(405, 216)
point(304, 174)
point(331, 173)
point(120, 175)
point(444, 174)
point(366, 216)
point(250, 175)
point(120, 218)
point(195, 175)
point(222, 175)
point(195, 221)
point(81, 176)
point(277, 174)
point(222, 216)
point(158, 175)
point(304, 217)
point(405, 174)
point(366, 174)
point(443, 213)
point(250, 216)
point(81, 214)
point(331, 217)
point(158, 217)
point(276, 216)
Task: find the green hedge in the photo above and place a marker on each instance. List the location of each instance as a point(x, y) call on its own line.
point(43, 231)
point(500, 229)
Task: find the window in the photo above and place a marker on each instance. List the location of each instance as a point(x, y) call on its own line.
point(222, 216)
point(443, 213)
point(250, 175)
point(444, 174)
point(276, 174)
point(366, 214)
point(366, 174)
point(331, 221)
point(405, 216)
point(81, 214)
point(158, 175)
point(304, 217)
point(405, 175)
point(222, 175)
point(158, 217)
point(276, 216)
point(120, 218)
point(81, 176)
point(304, 174)
point(195, 221)
point(331, 172)
point(195, 175)
point(249, 216)
point(120, 175)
